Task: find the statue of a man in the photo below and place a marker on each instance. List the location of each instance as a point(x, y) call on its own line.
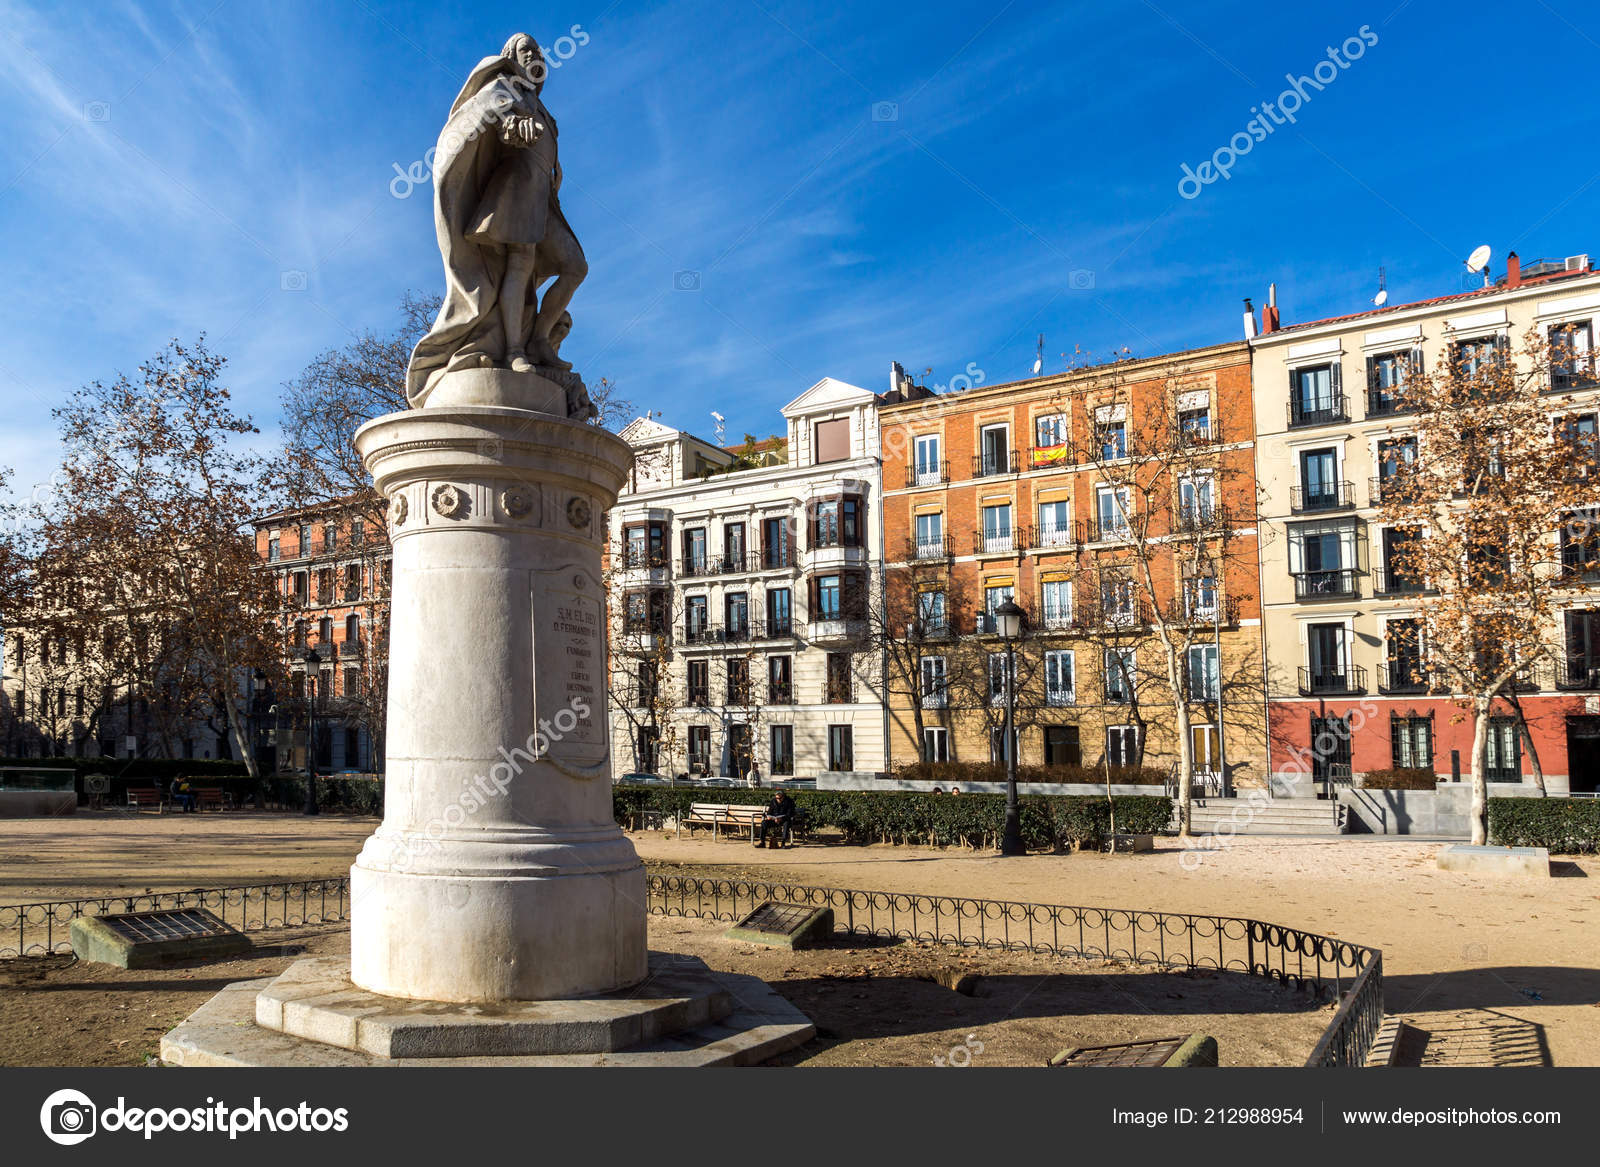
point(500, 227)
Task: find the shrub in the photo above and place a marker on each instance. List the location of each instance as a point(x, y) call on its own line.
point(1568, 825)
point(940, 820)
point(948, 773)
point(1399, 780)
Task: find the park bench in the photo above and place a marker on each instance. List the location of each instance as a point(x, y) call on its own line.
point(210, 798)
point(140, 797)
point(745, 818)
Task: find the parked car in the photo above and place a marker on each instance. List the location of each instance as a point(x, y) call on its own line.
point(718, 782)
point(641, 780)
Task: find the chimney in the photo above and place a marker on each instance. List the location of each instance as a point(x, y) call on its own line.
point(1269, 314)
point(1249, 319)
point(1513, 271)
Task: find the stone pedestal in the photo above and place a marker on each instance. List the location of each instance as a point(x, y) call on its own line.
point(498, 873)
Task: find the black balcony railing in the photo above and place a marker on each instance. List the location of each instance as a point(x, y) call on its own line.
point(702, 634)
point(1386, 401)
point(1209, 434)
point(1324, 496)
point(1332, 682)
point(1097, 530)
point(733, 563)
point(779, 627)
point(1113, 615)
point(775, 557)
point(640, 557)
point(988, 465)
point(1575, 372)
point(926, 474)
point(1388, 582)
point(839, 691)
point(697, 565)
point(1318, 410)
point(736, 632)
point(1578, 672)
point(1402, 676)
point(699, 695)
point(780, 693)
point(1338, 583)
point(1051, 457)
point(350, 648)
point(941, 547)
point(1197, 519)
point(1203, 606)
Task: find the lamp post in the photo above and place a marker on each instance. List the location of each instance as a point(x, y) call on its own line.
point(1009, 617)
point(315, 676)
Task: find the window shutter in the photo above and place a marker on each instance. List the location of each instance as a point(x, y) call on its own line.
point(1416, 363)
point(1334, 377)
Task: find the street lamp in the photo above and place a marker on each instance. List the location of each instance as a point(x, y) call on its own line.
point(1009, 618)
point(315, 676)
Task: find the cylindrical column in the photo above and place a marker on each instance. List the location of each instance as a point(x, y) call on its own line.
point(498, 872)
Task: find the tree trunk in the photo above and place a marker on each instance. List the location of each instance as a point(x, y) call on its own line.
point(1533, 750)
point(1480, 787)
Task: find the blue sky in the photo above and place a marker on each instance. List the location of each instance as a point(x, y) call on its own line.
point(930, 183)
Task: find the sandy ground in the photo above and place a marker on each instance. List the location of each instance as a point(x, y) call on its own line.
point(874, 1004)
point(1467, 959)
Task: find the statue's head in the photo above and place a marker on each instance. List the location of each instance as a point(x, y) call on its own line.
point(528, 56)
point(560, 329)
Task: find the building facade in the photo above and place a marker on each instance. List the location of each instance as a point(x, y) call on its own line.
point(739, 591)
point(1116, 505)
point(1345, 686)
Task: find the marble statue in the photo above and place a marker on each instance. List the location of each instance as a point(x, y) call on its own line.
point(497, 215)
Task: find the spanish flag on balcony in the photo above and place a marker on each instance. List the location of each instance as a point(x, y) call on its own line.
point(1051, 455)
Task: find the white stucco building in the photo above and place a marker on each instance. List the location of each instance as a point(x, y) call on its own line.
point(742, 596)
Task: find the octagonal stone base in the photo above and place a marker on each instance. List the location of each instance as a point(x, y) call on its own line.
point(311, 1015)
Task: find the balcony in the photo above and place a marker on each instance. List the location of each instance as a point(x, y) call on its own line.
point(1045, 538)
point(995, 543)
point(1387, 582)
point(1051, 457)
point(734, 564)
point(699, 695)
point(933, 474)
point(1058, 620)
point(778, 628)
point(928, 629)
point(1578, 673)
point(1060, 697)
point(839, 691)
point(350, 648)
point(1333, 683)
point(1325, 496)
point(1101, 530)
point(774, 558)
point(936, 698)
point(1197, 608)
point(836, 629)
point(1386, 402)
point(941, 547)
point(780, 693)
point(694, 566)
point(1113, 617)
point(991, 464)
point(638, 558)
point(1340, 583)
point(1201, 519)
point(1575, 372)
point(1402, 676)
point(1197, 436)
point(1385, 487)
point(1318, 410)
point(702, 634)
point(642, 640)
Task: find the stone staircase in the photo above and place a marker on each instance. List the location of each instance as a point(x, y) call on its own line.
point(1281, 816)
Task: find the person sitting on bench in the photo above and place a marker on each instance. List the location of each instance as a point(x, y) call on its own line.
point(183, 794)
point(778, 817)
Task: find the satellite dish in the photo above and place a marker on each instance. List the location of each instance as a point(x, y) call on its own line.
point(1381, 298)
point(1479, 259)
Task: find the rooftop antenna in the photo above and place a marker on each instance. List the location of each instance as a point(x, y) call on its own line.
point(1382, 297)
point(1479, 261)
point(722, 425)
point(1038, 360)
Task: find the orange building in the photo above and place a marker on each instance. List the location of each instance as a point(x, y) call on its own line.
point(1116, 505)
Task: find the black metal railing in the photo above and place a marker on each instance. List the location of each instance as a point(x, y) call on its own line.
point(39, 929)
point(1318, 410)
point(1402, 676)
point(1196, 606)
point(839, 691)
point(1210, 434)
point(1095, 530)
point(697, 565)
point(1385, 402)
point(772, 558)
point(1573, 372)
point(988, 465)
point(1052, 457)
point(926, 475)
point(780, 693)
point(638, 557)
point(1387, 582)
point(778, 627)
point(1325, 496)
point(733, 563)
point(1578, 672)
point(699, 695)
point(1332, 682)
point(1197, 519)
point(1332, 584)
point(1324, 966)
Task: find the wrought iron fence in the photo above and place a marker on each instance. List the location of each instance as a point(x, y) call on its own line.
point(40, 929)
point(1350, 973)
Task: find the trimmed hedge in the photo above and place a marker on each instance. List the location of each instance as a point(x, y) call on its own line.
point(1399, 780)
point(941, 820)
point(946, 773)
point(146, 769)
point(1566, 825)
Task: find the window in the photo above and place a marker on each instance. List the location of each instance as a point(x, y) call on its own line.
point(694, 551)
point(1502, 752)
point(1324, 569)
point(1479, 357)
point(1055, 523)
point(733, 547)
point(1058, 678)
point(1400, 575)
point(1330, 750)
point(1196, 501)
point(1314, 395)
point(1580, 544)
point(1122, 745)
point(644, 612)
point(998, 675)
point(1057, 596)
point(302, 588)
point(1120, 675)
point(1200, 597)
point(1061, 746)
point(930, 613)
point(352, 582)
point(273, 551)
point(930, 536)
point(325, 630)
point(1327, 658)
point(358, 532)
point(305, 538)
point(1411, 742)
point(828, 596)
point(841, 748)
point(934, 682)
point(929, 467)
point(1320, 489)
point(696, 619)
point(645, 545)
point(352, 630)
point(1386, 379)
point(780, 612)
point(836, 522)
point(1204, 676)
point(997, 527)
point(1571, 355)
point(833, 440)
point(776, 549)
point(700, 749)
point(996, 594)
point(1111, 511)
point(782, 751)
point(646, 686)
point(994, 450)
point(738, 681)
point(1194, 426)
point(935, 743)
point(1112, 438)
point(998, 741)
point(647, 748)
point(1205, 748)
point(739, 757)
point(1118, 607)
point(839, 687)
point(699, 682)
point(1395, 457)
point(1582, 638)
point(736, 615)
point(1050, 429)
point(780, 680)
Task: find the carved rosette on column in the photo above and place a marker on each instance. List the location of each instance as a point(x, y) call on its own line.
point(498, 872)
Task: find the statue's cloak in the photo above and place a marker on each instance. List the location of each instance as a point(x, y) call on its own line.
point(466, 160)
